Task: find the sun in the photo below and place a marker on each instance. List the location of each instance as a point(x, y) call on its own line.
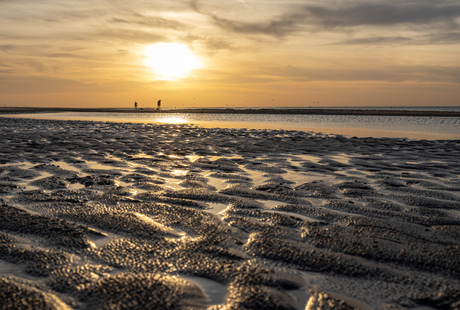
point(171, 61)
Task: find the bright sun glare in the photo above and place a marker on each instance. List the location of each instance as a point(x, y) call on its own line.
point(171, 61)
point(172, 120)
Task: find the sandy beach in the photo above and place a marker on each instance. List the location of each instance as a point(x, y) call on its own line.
point(105, 215)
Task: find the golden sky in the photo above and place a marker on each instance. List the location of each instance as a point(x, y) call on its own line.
point(241, 53)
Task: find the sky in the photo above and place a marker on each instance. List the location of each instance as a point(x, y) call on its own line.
point(247, 53)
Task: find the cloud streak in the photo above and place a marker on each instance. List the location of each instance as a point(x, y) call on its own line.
point(381, 14)
point(319, 18)
point(376, 41)
point(428, 39)
point(152, 22)
point(392, 74)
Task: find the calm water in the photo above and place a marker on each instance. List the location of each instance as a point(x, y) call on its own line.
point(398, 108)
point(349, 125)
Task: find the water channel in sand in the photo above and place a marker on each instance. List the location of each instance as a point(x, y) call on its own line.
point(412, 127)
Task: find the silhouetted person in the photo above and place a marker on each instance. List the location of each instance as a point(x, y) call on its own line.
point(135, 105)
point(158, 104)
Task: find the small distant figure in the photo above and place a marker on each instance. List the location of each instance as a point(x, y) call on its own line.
point(159, 104)
point(135, 105)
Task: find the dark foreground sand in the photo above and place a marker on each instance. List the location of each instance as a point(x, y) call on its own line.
point(144, 216)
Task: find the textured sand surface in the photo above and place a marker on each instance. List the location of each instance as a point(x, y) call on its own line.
point(98, 215)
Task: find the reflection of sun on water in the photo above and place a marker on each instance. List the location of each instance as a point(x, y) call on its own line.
point(171, 61)
point(193, 158)
point(179, 173)
point(172, 120)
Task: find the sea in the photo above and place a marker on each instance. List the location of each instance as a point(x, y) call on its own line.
point(410, 127)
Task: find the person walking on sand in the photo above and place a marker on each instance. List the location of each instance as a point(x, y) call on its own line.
point(159, 104)
point(135, 105)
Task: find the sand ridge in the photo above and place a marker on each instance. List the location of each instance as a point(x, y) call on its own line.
point(98, 215)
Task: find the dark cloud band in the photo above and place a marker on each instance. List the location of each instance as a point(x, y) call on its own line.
point(333, 18)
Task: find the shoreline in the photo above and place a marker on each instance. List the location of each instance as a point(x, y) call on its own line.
point(303, 111)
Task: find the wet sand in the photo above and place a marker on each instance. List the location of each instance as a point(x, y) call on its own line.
point(103, 215)
point(305, 111)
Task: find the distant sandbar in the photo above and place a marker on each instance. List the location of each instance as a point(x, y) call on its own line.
point(305, 111)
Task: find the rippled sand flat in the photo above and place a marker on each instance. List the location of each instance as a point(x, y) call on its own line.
point(101, 215)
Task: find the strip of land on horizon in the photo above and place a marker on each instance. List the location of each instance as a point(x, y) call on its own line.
point(305, 111)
